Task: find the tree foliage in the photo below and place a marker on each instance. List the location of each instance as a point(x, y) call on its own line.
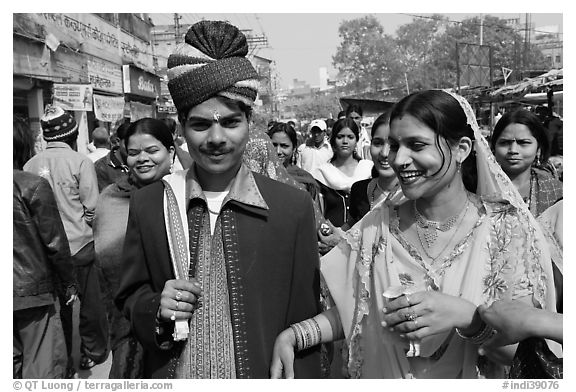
point(423, 52)
point(324, 106)
point(363, 58)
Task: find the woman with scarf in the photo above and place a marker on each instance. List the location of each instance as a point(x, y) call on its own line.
point(150, 149)
point(285, 141)
point(407, 279)
point(344, 169)
point(521, 147)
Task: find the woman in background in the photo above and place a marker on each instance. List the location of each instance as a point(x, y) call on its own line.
point(150, 148)
point(344, 169)
point(522, 149)
point(285, 141)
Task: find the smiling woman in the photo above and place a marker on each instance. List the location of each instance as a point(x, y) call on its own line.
point(452, 244)
point(150, 148)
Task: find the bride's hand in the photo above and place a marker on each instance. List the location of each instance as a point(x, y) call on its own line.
point(283, 355)
point(427, 313)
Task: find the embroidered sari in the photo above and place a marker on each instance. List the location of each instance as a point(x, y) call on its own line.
point(504, 256)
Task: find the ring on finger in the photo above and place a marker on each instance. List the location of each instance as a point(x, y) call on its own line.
point(407, 299)
point(415, 324)
point(177, 305)
point(412, 316)
point(407, 316)
point(173, 317)
point(178, 296)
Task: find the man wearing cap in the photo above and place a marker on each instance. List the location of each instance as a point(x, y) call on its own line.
point(101, 141)
point(73, 180)
point(217, 259)
point(317, 150)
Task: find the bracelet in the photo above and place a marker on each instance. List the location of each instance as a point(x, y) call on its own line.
point(307, 334)
point(484, 334)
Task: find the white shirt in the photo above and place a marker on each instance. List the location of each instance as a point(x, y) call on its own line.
point(331, 176)
point(214, 201)
point(312, 157)
point(98, 153)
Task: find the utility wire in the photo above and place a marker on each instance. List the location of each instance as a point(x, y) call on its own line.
point(478, 24)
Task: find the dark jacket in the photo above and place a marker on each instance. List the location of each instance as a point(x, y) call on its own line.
point(359, 203)
point(40, 246)
point(336, 205)
point(278, 265)
point(109, 168)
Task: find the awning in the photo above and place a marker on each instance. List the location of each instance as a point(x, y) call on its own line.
point(553, 78)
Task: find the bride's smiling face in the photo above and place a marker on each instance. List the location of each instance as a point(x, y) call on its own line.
point(423, 167)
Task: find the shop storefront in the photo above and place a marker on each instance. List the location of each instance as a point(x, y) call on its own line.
point(142, 90)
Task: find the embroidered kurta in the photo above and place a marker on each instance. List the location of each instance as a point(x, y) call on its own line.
point(271, 275)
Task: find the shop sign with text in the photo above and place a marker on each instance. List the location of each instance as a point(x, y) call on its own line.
point(73, 96)
point(104, 75)
point(140, 82)
point(110, 109)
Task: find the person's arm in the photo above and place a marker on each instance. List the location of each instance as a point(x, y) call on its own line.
point(286, 343)
point(88, 189)
point(44, 211)
point(135, 296)
point(516, 321)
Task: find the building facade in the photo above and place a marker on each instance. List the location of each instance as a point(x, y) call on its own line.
point(101, 67)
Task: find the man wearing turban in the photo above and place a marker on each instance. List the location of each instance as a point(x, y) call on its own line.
point(218, 259)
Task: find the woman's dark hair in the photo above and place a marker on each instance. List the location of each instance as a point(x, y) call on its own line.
point(330, 122)
point(443, 114)
point(354, 108)
point(287, 129)
point(532, 122)
point(23, 147)
point(152, 127)
point(383, 119)
point(340, 125)
point(120, 132)
point(171, 124)
point(228, 102)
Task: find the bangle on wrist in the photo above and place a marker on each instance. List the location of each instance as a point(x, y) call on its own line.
point(484, 334)
point(307, 334)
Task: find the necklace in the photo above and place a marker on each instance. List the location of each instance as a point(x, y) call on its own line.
point(373, 198)
point(212, 212)
point(462, 214)
point(429, 228)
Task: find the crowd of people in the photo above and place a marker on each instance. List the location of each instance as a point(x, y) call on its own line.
point(416, 249)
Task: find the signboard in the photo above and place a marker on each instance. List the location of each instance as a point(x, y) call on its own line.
point(474, 65)
point(170, 109)
point(73, 96)
point(61, 66)
point(110, 109)
point(140, 82)
point(104, 75)
point(97, 36)
point(139, 110)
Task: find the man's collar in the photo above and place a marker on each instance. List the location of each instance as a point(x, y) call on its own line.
point(243, 189)
point(58, 145)
point(116, 161)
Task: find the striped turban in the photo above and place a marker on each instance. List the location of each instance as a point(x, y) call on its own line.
point(223, 71)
